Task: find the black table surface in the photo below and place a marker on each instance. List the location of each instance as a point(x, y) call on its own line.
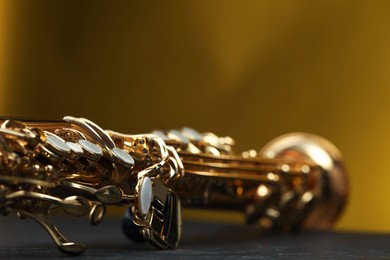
point(26, 239)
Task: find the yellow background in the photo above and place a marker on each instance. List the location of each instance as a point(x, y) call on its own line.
point(248, 69)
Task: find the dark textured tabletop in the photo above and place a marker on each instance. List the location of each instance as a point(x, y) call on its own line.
point(25, 239)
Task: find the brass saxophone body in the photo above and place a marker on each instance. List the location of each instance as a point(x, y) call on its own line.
point(297, 181)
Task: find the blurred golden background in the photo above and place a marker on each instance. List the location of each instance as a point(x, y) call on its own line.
point(248, 69)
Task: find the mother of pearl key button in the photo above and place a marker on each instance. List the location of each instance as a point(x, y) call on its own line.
point(56, 144)
point(145, 195)
point(122, 157)
point(91, 150)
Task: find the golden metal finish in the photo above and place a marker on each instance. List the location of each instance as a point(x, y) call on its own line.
point(297, 181)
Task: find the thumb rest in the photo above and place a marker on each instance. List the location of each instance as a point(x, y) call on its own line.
point(295, 182)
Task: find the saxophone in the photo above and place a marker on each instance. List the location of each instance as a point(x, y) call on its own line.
point(297, 181)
